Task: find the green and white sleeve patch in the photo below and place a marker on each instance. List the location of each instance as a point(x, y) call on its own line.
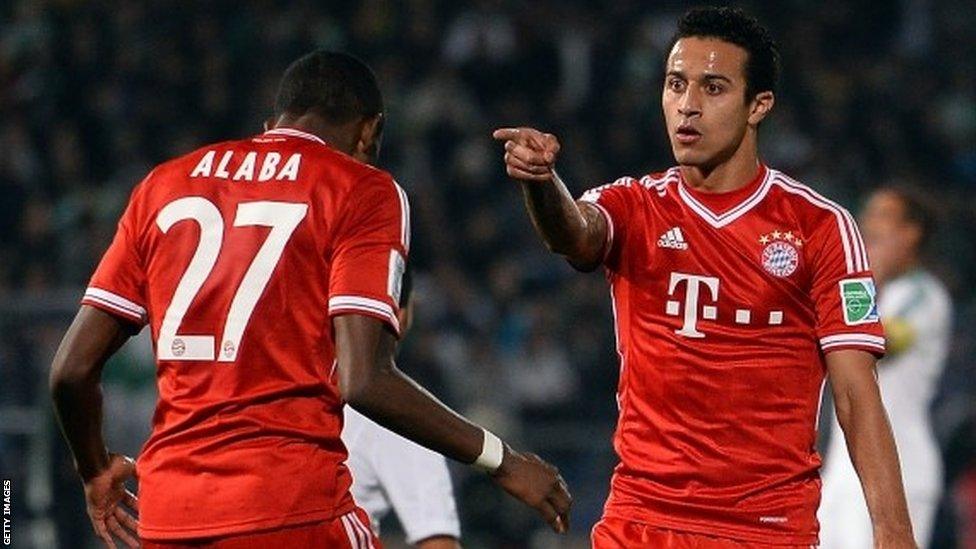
point(858, 298)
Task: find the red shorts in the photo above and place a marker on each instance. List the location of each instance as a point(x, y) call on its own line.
point(350, 531)
point(614, 533)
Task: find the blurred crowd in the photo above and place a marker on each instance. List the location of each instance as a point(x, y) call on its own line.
point(93, 94)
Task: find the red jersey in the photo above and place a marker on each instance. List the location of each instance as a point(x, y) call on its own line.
point(725, 306)
point(237, 255)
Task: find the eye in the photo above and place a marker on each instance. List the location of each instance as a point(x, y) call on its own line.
point(713, 89)
point(676, 85)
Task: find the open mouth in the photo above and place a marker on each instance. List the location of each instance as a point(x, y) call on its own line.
point(687, 134)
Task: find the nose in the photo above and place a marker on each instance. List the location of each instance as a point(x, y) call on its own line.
point(690, 103)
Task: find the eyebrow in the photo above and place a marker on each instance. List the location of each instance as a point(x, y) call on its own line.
point(708, 76)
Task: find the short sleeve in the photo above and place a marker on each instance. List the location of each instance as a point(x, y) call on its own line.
point(843, 288)
point(616, 202)
point(369, 251)
point(118, 286)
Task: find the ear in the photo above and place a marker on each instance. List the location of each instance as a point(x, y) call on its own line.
point(370, 136)
point(761, 105)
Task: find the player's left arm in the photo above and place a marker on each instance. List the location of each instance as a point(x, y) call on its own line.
point(75, 382)
point(852, 339)
point(871, 444)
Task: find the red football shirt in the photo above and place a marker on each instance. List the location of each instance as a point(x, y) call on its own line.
point(725, 306)
point(237, 255)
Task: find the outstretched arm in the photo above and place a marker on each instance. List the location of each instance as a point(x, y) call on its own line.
point(372, 384)
point(871, 445)
point(75, 382)
point(576, 230)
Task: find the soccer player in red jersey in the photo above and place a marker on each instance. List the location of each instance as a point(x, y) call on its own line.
point(735, 290)
point(269, 271)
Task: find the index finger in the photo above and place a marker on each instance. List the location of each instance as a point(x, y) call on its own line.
point(552, 517)
point(505, 134)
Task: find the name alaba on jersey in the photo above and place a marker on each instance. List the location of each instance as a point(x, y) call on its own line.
point(725, 306)
point(238, 255)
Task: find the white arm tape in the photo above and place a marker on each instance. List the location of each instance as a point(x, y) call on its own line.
point(492, 452)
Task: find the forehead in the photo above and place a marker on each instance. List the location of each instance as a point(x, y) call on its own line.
point(698, 55)
point(885, 204)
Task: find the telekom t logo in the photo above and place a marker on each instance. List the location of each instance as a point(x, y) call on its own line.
point(693, 295)
point(692, 291)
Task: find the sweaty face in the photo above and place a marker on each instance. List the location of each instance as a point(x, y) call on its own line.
point(704, 100)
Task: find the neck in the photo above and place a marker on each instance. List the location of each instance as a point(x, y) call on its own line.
point(731, 174)
point(897, 271)
point(340, 138)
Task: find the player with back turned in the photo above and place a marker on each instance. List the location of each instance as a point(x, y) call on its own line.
point(268, 270)
point(735, 290)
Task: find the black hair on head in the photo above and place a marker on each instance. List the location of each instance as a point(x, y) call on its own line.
point(337, 86)
point(736, 27)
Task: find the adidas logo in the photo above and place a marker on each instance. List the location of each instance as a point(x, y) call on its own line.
point(673, 239)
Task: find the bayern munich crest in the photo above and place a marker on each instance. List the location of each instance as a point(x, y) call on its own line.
point(780, 254)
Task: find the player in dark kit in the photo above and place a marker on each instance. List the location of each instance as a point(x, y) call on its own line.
point(269, 271)
point(735, 290)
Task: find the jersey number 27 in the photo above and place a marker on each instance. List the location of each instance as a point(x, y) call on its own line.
point(282, 217)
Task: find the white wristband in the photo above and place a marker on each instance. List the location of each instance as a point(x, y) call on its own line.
point(492, 452)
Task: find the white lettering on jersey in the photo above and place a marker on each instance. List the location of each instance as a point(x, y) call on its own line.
point(246, 171)
point(290, 171)
point(270, 165)
point(222, 167)
point(205, 165)
point(689, 328)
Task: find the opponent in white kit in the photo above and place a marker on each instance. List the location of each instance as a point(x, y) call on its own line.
point(916, 311)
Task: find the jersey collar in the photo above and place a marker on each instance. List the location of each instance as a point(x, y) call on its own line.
point(716, 220)
point(292, 132)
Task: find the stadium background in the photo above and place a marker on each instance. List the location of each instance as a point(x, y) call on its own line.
point(92, 94)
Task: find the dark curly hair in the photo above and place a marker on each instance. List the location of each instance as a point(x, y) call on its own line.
point(336, 85)
point(736, 27)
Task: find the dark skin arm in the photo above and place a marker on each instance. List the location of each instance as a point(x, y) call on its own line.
point(574, 229)
point(439, 542)
point(75, 384)
point(871, 444)
point(372, 384)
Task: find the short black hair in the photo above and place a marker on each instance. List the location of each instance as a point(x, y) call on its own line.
point(734, 26)
point(336, 85)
